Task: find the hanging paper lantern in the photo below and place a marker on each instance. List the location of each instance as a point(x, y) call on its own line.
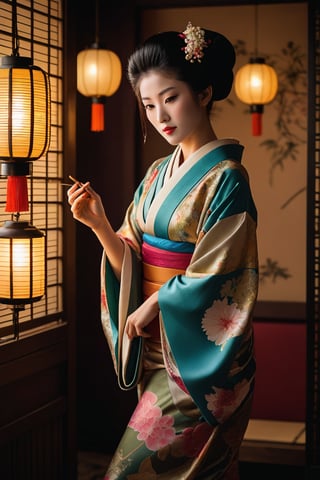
point(98, 76)
point(24, 124)
point(256, 84)
point(25, 117)
point(22, 263)
point(22, 267)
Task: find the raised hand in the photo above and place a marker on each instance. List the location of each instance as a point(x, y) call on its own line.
point(86, 205)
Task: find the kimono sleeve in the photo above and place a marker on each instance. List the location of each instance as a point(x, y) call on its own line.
point(207, 313)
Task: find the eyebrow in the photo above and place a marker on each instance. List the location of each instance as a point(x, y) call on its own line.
point(163, 92)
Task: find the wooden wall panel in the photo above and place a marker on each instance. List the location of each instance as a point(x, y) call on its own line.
point(33, 413)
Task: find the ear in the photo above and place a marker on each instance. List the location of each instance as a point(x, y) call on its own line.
point(205, 96)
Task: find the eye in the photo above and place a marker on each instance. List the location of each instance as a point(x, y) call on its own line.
point(171, 99)
point(148, 106)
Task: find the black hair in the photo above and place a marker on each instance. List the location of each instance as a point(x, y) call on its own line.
point(165, 51)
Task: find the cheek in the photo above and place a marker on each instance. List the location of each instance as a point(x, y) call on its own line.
point(150, 116)
point(189, 109)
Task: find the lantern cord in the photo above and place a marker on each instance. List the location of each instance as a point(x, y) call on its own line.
point(97, 24)
point(15, 320)
point(15, 216)
point(15, 324)
point(256, 30)
point(15, 38)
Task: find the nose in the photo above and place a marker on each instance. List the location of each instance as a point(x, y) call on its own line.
point(162, 114)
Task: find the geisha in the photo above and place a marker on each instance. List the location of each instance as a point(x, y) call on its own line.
point(179, 278)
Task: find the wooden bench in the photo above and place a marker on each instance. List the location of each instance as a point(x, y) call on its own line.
point(276, 442)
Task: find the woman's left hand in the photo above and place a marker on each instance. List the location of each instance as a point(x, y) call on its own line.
point(140, 318)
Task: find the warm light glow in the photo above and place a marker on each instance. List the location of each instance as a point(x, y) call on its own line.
point(98, 72)
point(22, 263)
point(18, 114)
point(256, 83)
point(20, 255)
point(24, 112)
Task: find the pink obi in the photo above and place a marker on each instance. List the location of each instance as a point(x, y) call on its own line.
point(158, 267)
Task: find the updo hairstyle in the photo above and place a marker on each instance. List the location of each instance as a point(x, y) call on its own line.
point(165, 52)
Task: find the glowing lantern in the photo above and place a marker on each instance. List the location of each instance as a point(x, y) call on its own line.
point(24, 124)
point(24, 136)
point(256, 84)
point(98, 76)
point(22, 266)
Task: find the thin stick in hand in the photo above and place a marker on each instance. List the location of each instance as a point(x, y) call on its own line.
point(75, 180)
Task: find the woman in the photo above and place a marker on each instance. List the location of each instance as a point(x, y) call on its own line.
point(179, 278)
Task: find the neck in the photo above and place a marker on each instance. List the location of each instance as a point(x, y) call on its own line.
point(187, 148)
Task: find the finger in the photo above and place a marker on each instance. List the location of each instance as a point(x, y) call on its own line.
point(142, 333)
point(72, 189)
point(90, 190)
point(76, 193)
point(130, 331)
point(145, 335)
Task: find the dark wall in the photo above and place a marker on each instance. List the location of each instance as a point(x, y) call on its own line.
point(107, 159)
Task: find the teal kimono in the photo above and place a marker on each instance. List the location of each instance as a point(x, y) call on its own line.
point(197, 378)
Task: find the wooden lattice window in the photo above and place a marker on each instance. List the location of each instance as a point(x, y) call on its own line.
point(40, 33)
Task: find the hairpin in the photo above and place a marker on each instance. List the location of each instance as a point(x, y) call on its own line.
point(195, 43)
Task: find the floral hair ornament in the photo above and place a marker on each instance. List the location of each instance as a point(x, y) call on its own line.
point(195, 43)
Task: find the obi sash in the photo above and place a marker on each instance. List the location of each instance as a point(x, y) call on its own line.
point(161, 260)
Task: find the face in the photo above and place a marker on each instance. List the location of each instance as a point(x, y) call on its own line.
point(174, 110)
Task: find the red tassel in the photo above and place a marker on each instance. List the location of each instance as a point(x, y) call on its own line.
point(97, 117)
point(256, 124)
point(17, 194)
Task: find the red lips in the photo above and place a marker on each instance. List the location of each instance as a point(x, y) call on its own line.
point(169, 130)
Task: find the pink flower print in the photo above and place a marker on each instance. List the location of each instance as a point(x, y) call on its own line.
point(154, 428)
point(145, 412)
point(223, 321)
point(222, 403)
point(161, 434)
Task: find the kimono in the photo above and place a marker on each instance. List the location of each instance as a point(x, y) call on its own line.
point(190, 234)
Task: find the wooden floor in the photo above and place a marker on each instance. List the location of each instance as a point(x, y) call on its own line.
point(269, 450)
point(268, 471)
point(92, 466)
